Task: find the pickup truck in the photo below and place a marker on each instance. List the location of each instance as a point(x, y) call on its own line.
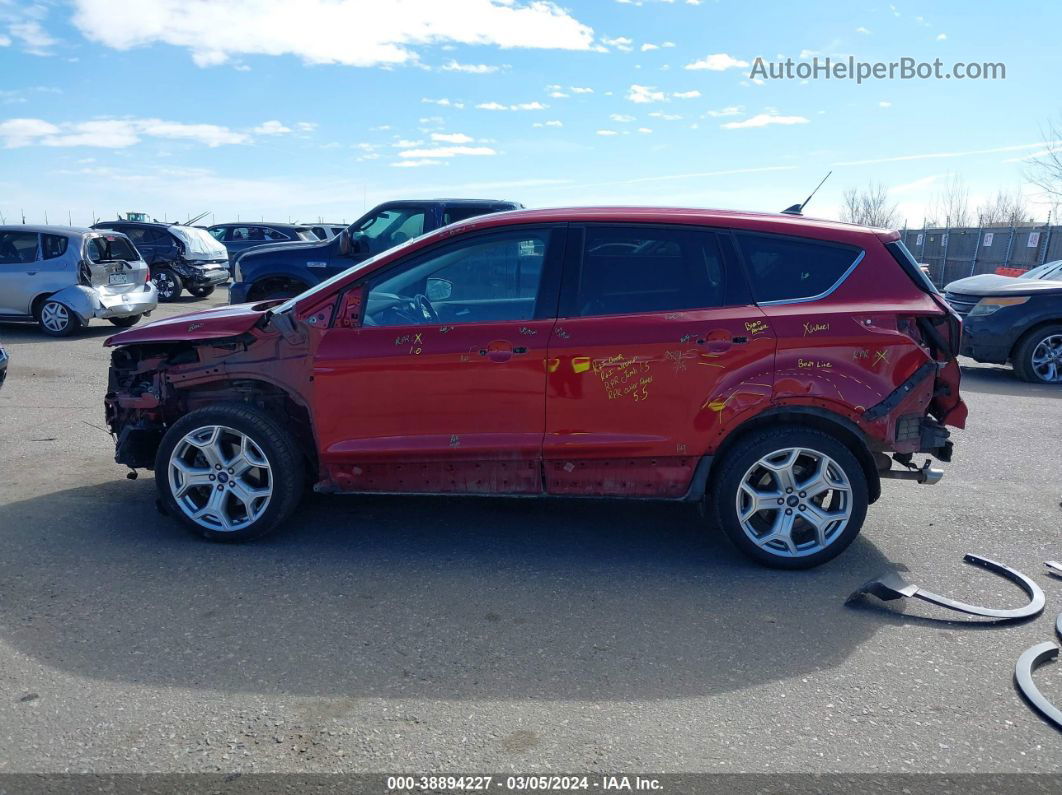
point(284, 270)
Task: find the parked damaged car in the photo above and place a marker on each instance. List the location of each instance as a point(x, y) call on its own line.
point(62, 277)
point(1013, 320)
point(763, 364)
point(181, 257)
point(237, 237)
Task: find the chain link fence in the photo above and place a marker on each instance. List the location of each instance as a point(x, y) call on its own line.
point(957, 252)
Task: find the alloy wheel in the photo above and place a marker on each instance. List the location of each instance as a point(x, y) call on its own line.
point(220, 478)
point(794, 502)
point(165, 284)
point(55, 317)
point(1047, 359)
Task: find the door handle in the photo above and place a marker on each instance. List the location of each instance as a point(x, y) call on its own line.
point(520, 349)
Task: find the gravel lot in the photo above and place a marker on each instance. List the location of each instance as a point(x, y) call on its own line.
point(395, 634)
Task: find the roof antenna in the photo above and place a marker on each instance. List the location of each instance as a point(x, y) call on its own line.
point(798, 209)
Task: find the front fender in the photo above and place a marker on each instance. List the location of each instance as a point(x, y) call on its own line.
point(80, 300)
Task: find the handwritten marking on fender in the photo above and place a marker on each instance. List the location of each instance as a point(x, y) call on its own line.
point(821, 365)
point(815, 328)
point(881, 356)
point(678, 359)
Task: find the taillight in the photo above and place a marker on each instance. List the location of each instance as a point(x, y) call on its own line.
point(147, 274)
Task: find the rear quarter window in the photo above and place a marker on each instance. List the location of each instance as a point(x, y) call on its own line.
point(53, 246)
point(784, 268)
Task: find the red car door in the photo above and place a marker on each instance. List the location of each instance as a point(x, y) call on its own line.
point(441, 387)
point(658, 342)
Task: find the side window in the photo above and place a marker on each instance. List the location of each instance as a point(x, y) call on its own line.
point(274, 234)
point(17, 248)
point(217, 232)
point(491, 278)
point(454, 214)
point(53, 246)
point(389, 228)
point(138, 234)
point(790, 269)
point(634, 269)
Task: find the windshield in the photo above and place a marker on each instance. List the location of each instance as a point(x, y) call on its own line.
point(1050, 270)
point(327, 284)
point(198, 243)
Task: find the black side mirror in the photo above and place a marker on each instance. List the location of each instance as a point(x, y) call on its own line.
point(346, 245)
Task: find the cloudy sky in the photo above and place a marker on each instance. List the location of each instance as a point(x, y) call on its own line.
point(323, 108)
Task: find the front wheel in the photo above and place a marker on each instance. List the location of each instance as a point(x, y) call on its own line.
point(229, 472)
point(790, 498)
point(125, 322)
point(57, 320)
point(201, 292)
point(167, 283)
point(1038, 357)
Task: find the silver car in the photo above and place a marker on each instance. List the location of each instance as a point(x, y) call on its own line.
point(61, 277)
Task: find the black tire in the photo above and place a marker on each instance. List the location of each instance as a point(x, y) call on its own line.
point(168, 283)
point(56, 319)
point(125, 322)
point(286, 468)
point(201, 292)
point(1023, 353)
point(740, 460)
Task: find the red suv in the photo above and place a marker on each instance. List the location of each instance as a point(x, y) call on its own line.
point(765, 364)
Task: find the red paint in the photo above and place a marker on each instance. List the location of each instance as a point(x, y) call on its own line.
point(217, 323)
point(614, 405)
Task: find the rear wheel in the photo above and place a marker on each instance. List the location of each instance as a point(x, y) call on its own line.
point(167, 283)
point(1038, 357)
point(229, 472)
point(57, 320)
point(790, 498)
point(201, 292)
point(125, 322)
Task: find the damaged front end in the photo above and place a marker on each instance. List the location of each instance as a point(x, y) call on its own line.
point(163, 371)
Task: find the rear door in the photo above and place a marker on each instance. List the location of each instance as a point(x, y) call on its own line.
point(656, 342)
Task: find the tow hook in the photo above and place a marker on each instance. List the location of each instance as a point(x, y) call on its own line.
point(924, 474)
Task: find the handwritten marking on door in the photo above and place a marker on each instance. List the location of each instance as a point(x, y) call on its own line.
point(815, 328)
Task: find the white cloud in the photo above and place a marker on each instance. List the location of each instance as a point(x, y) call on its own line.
point(942, 37)
point(517, 106)
point(550, 123)
point(621, 117)
point(470, 68)
point(665, 116)
point(306, 126)
point(621, 43)
point(863, 30)
point(717, 62)
point(4, 41)
point(729, 110)
point(763, 120)
point(272, 127)
point(405, 143)
point(607, 132)
point(648, 47)
point(686, 94)
point(884, 104)
point(444, 102)
point(112, 133)
point(581, 90)
point(34, 39)
point(447, 151)
point(645, 94)
point(416, 163)
point(558, 95)
point(644, 130)
point(451, 138)
point(350, 32)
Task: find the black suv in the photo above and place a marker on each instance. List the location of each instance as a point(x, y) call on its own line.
point(180, 257)
point(238, 236)
point(286, 269)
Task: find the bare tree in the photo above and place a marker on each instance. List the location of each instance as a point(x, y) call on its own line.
point(869, 206)
point(1046, 167)
point(1006, 209)
point(951, 205)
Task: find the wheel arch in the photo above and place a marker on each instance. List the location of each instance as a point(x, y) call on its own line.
point(1035, 327)
point(282, 404)
point(841, 428)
